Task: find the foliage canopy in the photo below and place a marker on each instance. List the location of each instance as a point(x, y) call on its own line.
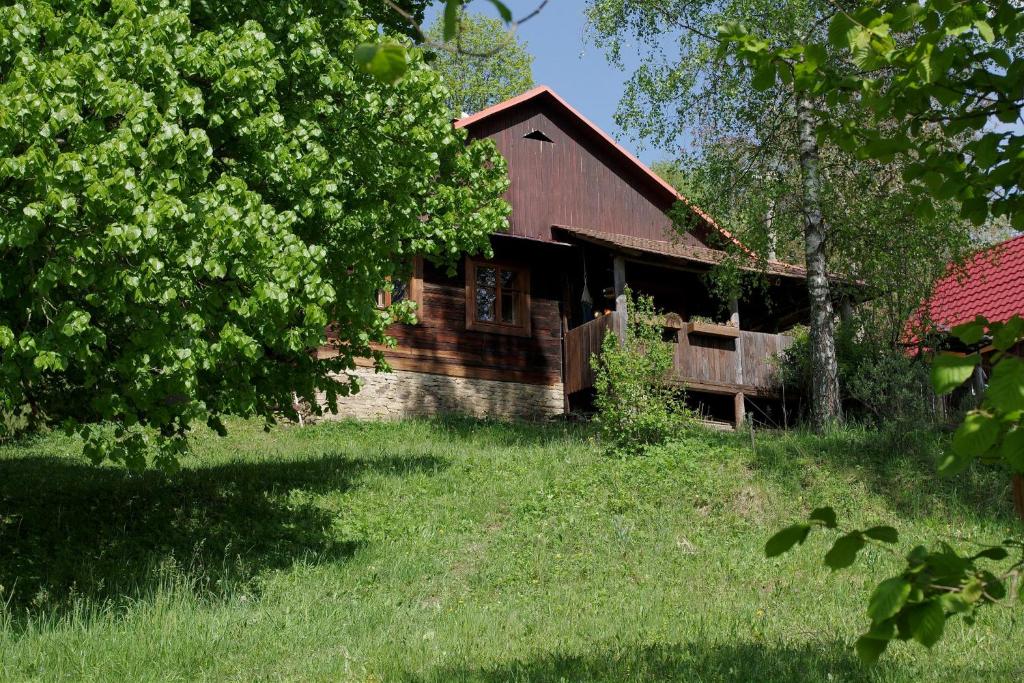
point(191, 192)
point(484, 65)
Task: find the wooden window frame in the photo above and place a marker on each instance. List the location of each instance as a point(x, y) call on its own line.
point(414, 292)
point(524, 328)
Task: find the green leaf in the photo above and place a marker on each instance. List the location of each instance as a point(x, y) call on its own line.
point(6, 337)
point(764, 75)
point(1006, 386)
point(885, 534)
point(842, 30)
point(815, 55)
point(503, 11)
point(825, 515)
point(972, 332)
point(387, 61)
point(975, 435)
point(985, 30)
point(786, 539)
point(888, 598)
point(870, 649)
point(950, 371)
point(844, 550)
point(1007, 334)
point(1012, 449)
point(927, 622)
point(451, 18)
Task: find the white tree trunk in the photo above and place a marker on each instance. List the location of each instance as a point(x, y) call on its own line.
point(825, 403)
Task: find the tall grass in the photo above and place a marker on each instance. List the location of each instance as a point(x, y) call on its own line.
point(455, 550)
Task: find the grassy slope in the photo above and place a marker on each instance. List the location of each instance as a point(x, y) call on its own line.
point(454, 551)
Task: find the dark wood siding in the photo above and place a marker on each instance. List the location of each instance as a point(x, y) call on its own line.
point(441, 344)
point(574, 180)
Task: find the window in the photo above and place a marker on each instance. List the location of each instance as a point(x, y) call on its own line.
point(497, 298)
point(405, 289)
point(538, 135)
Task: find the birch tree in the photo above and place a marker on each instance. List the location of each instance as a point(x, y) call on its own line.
point(748, 140)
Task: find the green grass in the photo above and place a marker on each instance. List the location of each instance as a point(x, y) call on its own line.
point(453, 550)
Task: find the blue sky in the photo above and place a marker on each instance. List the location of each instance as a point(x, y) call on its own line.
point(570, 65)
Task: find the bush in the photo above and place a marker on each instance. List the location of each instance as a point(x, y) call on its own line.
point(636, 407)
point(880, 382)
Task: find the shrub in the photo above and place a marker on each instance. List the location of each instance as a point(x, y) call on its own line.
point(879, 380)
point(636, 406)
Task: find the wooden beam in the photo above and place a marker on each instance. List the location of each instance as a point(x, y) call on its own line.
point(619, 274)
point(734, 320)
point(739, 408)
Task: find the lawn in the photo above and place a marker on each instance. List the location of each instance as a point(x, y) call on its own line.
point(455, 550)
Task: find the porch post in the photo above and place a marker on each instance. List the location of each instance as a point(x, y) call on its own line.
point(734, 320)
point(739, 407)
point(619, 273)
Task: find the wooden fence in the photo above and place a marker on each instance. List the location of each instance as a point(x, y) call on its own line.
point(580, 343)
point(702, 359)
point(760, 369)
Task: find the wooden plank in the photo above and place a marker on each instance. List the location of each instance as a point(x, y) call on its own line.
point(573, 180)
point(581, 343)
point(734, 320)
point(712, 330)
point(619, 275)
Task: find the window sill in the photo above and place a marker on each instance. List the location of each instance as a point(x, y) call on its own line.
point(494, 328)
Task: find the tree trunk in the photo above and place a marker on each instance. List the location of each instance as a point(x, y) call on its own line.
point(825, 404)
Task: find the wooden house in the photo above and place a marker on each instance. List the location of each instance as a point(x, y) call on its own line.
point(511, 336)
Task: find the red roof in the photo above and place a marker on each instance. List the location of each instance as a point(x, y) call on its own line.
point(543, 91)
point(990, 283)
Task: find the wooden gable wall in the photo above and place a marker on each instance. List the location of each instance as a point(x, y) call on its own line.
point(574, 180)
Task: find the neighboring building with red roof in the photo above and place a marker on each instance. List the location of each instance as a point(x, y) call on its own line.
point(990, 284)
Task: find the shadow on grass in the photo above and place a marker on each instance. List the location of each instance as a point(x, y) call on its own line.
point(895, 463)
point(70, 532)
point(695, 662)
point(690, 662)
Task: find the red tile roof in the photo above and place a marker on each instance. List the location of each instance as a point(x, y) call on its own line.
point(990, 283)
point(543, 91)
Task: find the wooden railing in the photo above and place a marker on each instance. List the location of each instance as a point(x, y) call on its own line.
point(760, 351)
point(580, 343)
point(703, 360)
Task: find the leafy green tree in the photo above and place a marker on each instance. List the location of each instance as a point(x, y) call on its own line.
point(939, 84)
point(751, 156)
point(637, 406)
point(942, 583)
point(192, 191)
point(484, 64)
point(954, 68)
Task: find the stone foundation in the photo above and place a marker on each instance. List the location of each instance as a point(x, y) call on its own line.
point(402, 393)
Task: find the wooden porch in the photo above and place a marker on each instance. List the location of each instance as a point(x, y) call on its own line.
point(709, 358)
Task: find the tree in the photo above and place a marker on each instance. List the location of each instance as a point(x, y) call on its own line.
point(751, 156)
point(191, 192)
point(486, 65)
point(955, 68)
